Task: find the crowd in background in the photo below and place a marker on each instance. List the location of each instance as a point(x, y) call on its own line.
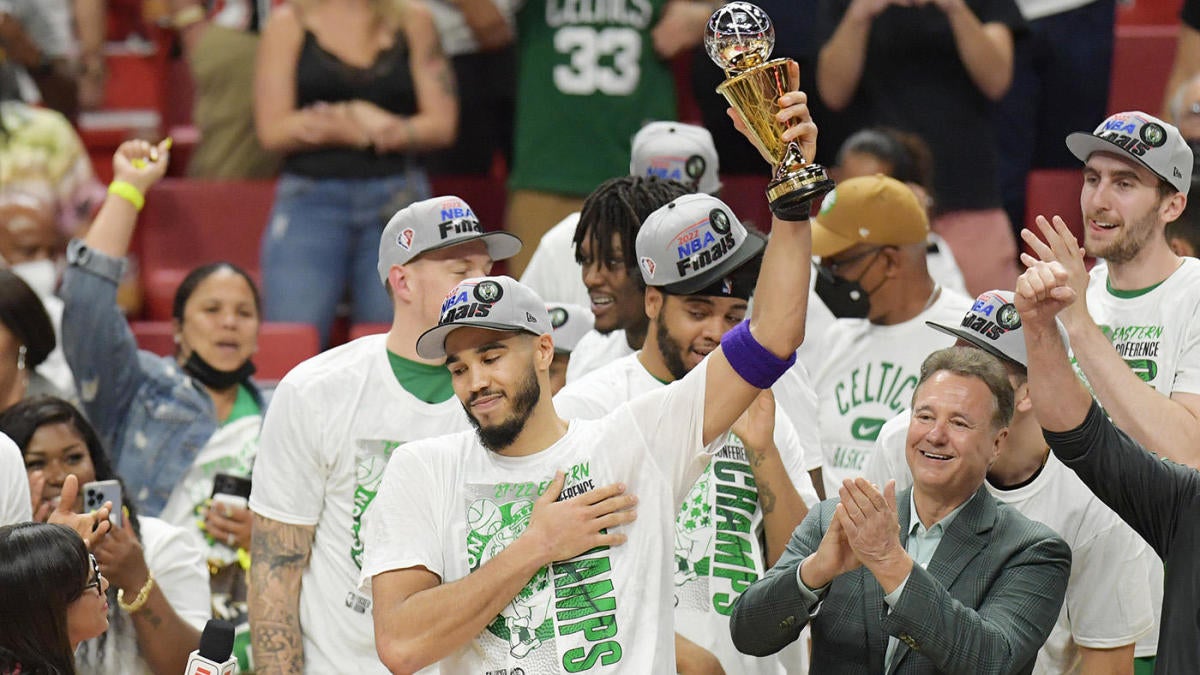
point(932, 114)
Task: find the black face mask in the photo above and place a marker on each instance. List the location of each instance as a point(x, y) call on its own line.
point(846, 299)
point(213, 378)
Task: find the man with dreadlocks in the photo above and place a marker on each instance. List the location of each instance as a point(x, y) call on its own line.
point(604, 247)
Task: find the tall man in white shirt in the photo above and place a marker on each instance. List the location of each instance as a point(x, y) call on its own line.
point(1137, 320)
point(557, 575)
point(332, 424)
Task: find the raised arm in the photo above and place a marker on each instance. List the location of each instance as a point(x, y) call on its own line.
point(279, 555)
point(777, 323)
point(96, 338)
point(419, 620)
point(1168, 426)
point(489, 25)
point(986, 49)
point(1146, 492)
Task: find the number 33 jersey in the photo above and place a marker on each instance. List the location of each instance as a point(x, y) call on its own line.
point(588, 80)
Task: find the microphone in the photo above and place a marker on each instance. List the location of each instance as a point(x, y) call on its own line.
point(215, 655)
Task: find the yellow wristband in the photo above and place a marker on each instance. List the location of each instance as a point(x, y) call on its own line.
point(192, 14)
point(142, 596)
point(129, 192)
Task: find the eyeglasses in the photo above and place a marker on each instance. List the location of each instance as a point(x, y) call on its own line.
point(97, 578)
point(832, 266)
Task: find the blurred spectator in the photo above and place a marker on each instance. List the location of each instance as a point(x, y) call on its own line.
point(1183, 234)
point(37, 36)
point(1187, 54)
point(668, 150)
point(220, 40)
point(32, 247)
point(906, 158)
point(350, 92)
point(477, 35)
point(172, 423)
point(570, 323)
point(934, 70)
point(43, 156)
point(586, 82)
point(1184, 108)
point(26, 340)
point(158, 599)
point(51, 598)
point(1061, 73)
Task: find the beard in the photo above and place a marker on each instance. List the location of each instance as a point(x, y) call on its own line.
point(498, 437)
point(669, 349)
point(1128, 244)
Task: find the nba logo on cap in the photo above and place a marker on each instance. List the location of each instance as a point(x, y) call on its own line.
point(405, 239)
point(648, 265)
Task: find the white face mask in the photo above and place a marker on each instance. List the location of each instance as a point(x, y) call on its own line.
point(41, 275)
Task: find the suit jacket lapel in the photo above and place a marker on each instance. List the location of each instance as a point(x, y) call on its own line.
point(961, 542)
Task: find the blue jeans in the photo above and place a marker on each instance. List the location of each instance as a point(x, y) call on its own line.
point(322, 244)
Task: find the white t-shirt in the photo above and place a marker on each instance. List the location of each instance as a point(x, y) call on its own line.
point(332, 424)
point(450, 505)
point(867, 376)
point(552, 271)
point(15, 503)
point(795, 395)
point(719, 528)
point(595, 350)
point(177, 562)
point(1114, 596)
point(1157, 332)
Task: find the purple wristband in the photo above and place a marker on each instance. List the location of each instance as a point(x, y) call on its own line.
point(755, 363)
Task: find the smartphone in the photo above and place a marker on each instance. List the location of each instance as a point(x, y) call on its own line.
point(232, 490)
point(97, 492)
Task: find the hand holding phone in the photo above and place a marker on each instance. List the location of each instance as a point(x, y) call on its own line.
point(96, 493)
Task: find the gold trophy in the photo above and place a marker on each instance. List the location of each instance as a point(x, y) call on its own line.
point(739, 38)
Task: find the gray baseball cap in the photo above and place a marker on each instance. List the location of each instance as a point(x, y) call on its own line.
point(693, 243)
point(569, 323)
point(495, 303)
point(436, 223)
point(1143, 138)
point(993, 325)
point(676, 151)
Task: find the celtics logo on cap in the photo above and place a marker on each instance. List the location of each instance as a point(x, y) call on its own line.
point(558, 316)
point(719, 221)
point(1008, 318)
point(1153, 134)
point(695, 166)
point(488, 291)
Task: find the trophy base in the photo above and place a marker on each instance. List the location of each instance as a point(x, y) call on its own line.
point(791, 195)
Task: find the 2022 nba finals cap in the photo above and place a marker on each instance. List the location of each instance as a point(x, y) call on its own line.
point(1143, 138)
point(436, 223)
point(495, 303)
point(993, 325)
point(679, 152)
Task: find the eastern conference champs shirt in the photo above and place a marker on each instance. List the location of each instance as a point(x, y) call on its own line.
point(450, 505)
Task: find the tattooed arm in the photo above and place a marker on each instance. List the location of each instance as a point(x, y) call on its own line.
point(781, 504)
point(279, 556)
point(435, 123)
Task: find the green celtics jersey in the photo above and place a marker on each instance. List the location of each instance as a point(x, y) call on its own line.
point(588, 79)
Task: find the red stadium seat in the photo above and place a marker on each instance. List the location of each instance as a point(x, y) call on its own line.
point(187, 223)
point(363, 329)
point(281, 346)
point(1054, 192)
point(1142, 60)
point(746, 195)
point(1148, 12)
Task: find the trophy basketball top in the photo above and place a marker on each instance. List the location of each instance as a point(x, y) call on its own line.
point(738, 36)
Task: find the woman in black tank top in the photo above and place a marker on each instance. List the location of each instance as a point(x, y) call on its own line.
point(350, 91)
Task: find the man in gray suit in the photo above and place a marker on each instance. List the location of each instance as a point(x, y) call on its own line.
point(967, 586)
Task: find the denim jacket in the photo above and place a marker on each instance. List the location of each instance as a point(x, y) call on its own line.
point(151, 415)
